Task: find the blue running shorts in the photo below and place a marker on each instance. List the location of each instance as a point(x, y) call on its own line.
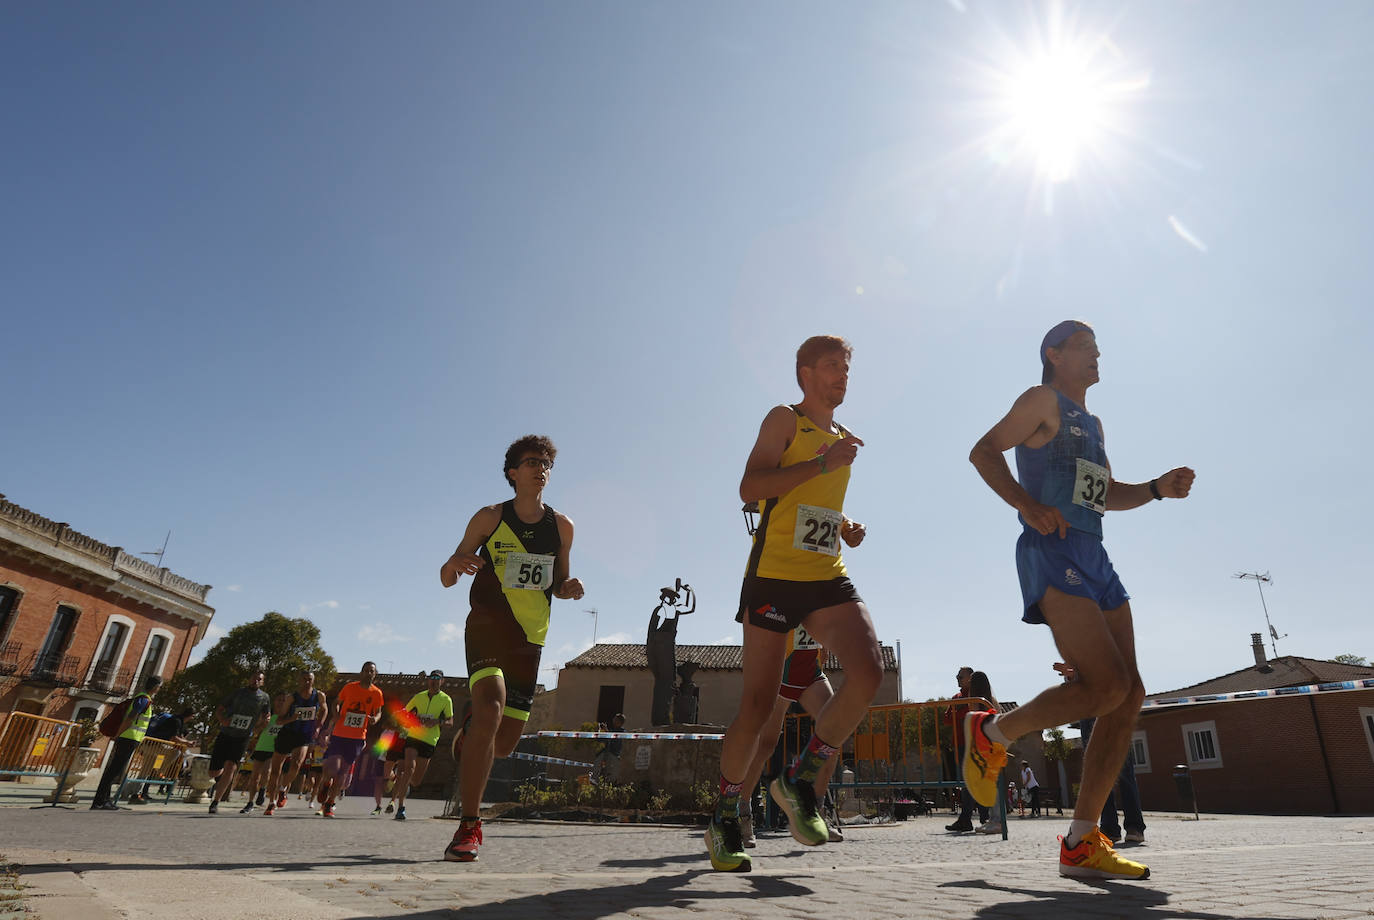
point(1077, 565)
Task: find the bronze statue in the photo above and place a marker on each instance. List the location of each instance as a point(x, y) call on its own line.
point(661, 645)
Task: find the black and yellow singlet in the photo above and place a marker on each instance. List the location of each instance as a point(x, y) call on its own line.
point(798, 537)
point(518, 576)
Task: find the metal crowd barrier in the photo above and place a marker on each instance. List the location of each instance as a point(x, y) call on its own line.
point(155, 763)
point(30, 745)
point(905, 746)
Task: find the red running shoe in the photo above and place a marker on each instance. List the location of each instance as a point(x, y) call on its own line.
point(463, 847)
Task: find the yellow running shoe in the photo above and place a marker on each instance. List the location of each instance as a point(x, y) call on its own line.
point(726, 848)
point(1095, 858)
point(983, 760)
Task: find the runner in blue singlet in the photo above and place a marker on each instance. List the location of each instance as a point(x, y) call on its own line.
point(1067, 581)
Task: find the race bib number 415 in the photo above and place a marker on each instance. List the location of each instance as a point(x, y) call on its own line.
point(240, 723)
point(1090, 488)
point(528, 572)
point(817, 530)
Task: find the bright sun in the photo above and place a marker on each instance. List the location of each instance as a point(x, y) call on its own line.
point(1061, 102)
point(1055, 107)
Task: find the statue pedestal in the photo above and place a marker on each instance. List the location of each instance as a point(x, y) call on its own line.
point(673, 766)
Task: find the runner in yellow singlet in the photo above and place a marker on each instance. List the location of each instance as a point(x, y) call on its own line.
point(798, 471)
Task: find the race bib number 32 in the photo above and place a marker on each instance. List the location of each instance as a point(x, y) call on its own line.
point(528, 572)
point(817, 530)
point(1090, 488)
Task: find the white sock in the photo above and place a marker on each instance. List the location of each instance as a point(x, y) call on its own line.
point(995, 733)
point(1077, 829)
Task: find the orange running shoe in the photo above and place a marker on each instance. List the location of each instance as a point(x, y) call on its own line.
point(1095, 858)
point(983, 760)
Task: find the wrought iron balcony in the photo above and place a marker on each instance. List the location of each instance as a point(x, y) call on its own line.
point(106, 678)
point(53, 668)
point(9, 658)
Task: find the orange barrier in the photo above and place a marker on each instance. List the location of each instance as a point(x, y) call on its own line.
point(905, 746)
point(29, 745)
point(155, 763)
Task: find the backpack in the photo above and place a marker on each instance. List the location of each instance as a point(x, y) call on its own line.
point(109, 726)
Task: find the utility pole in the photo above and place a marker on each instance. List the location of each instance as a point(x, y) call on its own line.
point(1260, 582)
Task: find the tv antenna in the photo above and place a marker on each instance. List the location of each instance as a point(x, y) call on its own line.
point(162, 552)
point(593, 612)
point(1260, 582)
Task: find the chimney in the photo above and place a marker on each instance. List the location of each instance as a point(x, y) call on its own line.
point(1257, 646)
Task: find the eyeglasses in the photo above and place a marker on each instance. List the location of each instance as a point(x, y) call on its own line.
point(544, 463)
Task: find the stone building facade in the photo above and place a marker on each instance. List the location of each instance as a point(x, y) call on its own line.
point(83, 623)
point(608, 678)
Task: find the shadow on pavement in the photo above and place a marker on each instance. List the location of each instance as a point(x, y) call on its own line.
point(1115, 900)
point(275, 865)
point(592, 903)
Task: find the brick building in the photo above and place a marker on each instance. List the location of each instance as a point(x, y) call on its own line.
point(607, 679)
point(1305, 754)
point(82, 623)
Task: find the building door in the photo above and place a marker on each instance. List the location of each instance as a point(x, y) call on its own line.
point(610, 701)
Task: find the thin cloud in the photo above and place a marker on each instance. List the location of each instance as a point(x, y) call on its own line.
point(234, 588)
point(381, 634)
point(449, 633)
point(331, 605)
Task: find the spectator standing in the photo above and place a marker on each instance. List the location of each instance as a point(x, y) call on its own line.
point(127, 740)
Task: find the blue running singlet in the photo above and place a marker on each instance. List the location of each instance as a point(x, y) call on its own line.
point(1070, 472)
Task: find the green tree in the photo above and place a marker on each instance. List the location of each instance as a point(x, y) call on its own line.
point(1056, 747)
point(1352, 659)
point(278, 645)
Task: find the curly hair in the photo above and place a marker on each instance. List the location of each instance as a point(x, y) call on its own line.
point(530, 443)
point(817, 347)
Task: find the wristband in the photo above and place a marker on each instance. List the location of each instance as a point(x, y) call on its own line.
point(1154, 490)
point(820, 461)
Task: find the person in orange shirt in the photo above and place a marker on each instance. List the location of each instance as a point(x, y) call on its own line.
point(357, 706)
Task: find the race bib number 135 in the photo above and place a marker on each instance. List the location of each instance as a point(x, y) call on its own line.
point(528, 572)
point(354, 719)
point(817, 530)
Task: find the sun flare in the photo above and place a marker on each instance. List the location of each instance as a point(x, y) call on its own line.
point(1061, 101)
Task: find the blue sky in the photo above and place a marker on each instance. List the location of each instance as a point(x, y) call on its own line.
point(286, 279)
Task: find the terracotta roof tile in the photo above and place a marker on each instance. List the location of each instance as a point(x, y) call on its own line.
point(1285, 671)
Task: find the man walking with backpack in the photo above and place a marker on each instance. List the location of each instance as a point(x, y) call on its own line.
point(128, 734)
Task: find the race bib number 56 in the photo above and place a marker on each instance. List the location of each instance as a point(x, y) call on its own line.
point(528, 572)
point(817, 530)
point(1090, 489)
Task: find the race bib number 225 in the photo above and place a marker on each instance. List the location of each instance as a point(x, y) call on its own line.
point(817, 530)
